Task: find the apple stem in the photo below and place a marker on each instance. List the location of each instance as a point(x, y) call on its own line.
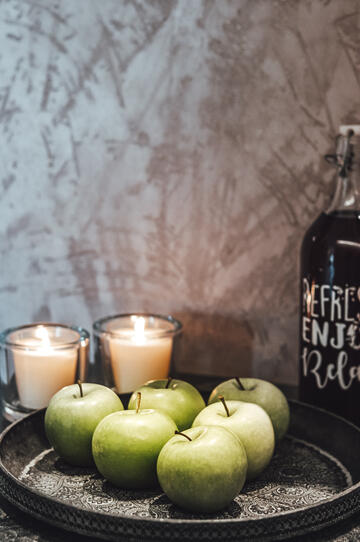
point(239, 383)
point(222, 399)
point(81, 389)
point(138, 401)
point(168, 382)
point(183, 435)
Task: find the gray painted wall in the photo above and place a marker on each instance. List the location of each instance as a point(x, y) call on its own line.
point(167, 156)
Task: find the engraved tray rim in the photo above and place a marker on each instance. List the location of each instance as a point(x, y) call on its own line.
point(330, 510)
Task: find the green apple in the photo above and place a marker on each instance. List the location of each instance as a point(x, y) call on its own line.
point(72, 416)
point(202, 469)
point(179, 399)
point(260, 392)
point(250, 423)
point(126, 446)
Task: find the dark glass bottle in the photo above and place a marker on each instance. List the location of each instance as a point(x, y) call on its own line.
point(330, 292)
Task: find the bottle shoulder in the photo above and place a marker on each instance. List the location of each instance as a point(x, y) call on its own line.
point(330, 249)
point(331, 227)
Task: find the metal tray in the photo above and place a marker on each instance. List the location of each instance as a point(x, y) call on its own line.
point(312, 482)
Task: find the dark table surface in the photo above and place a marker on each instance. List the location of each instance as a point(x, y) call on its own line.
point(18, 526)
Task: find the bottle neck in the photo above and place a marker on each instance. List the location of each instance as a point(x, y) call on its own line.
point(347, 188)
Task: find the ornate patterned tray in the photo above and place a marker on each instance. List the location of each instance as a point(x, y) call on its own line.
point(312, 482)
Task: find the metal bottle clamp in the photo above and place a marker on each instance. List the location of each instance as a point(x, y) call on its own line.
point(344, 153)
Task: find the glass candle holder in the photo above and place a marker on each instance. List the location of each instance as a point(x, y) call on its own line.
point(134, 348)
point(37, 360)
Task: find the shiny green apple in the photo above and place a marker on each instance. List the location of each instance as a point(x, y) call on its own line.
point(250, 423)
point(72, 416)
point(126, 446)
point(260, 392)
point(179, 399)
point(202, 469)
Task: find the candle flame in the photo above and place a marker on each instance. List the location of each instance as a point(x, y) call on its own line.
point(139, 330)
point(42, 333)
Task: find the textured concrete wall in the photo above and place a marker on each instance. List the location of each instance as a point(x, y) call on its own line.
point(166, 155)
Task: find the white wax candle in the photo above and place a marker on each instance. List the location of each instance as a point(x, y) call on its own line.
point(137, 356)
point(41, 370)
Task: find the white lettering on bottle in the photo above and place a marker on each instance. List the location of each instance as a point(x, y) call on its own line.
point(312, 364)
point(349, 292)
point(318, 334)
point(355, 372)
point(335, 303)
point(324, 299)
point(315, 370)
point(331, 320)
point(342, 362)
point(306, 328)
point(304, 361)
point(306, 297)
point(314, 301)
point(353, 335)
point(339, 342)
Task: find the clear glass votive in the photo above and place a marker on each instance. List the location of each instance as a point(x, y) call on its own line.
point(134, 348)
point(36, 361)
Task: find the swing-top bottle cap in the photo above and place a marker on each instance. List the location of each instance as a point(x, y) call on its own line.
point(346, 128)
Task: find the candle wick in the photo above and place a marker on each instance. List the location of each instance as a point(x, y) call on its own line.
point(183, 435)
point(81, 388)
point(222, 399)
point(168, 382)
point(138, 401)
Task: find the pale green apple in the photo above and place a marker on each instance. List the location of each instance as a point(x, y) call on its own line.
point(260, 392)
point(126, 446)
point(72, 416)
point(203, 474)
point(179, 399)
point(250, 423)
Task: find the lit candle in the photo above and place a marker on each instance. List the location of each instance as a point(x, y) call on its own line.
point(41, 369)
point(138, 355)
